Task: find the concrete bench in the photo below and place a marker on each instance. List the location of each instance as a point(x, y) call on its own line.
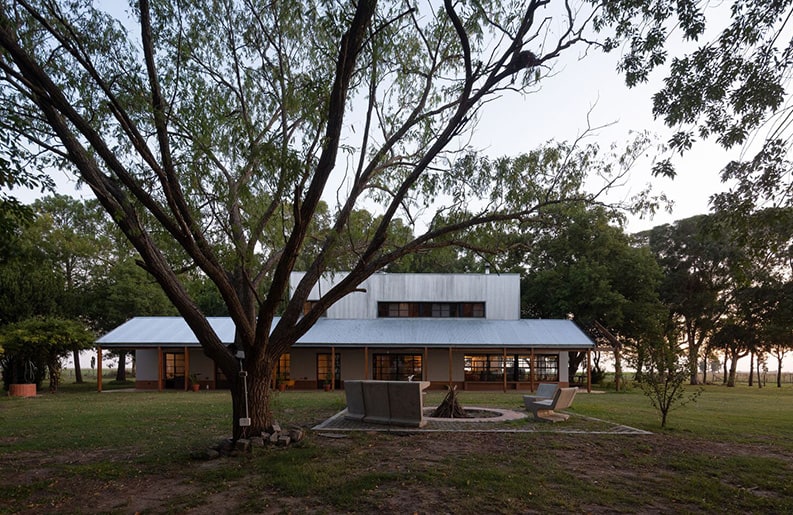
point(545, 409)
point(394, 403)
point(544, 391)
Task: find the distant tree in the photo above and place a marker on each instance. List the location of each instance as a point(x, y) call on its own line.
point(698, 257)
point(71, 234)
point(585, 266)
point(43, 342)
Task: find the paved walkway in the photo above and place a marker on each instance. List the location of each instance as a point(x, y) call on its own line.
point(509, 421)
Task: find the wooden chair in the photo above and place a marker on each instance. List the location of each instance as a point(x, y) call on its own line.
point(545, 409)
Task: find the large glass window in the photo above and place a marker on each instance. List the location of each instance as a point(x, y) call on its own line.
point(325, 371)
point(396, 367)
point(431, 309)
point(490, 367)
point(284, 366)
point(173, 364)
point(546, 367)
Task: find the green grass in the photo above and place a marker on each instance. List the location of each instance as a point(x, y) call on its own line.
point(730, 451)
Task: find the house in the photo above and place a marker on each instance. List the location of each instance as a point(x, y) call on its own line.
point(463, 329)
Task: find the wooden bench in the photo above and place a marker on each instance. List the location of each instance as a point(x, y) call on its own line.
point(393, 403)
point(545, 409)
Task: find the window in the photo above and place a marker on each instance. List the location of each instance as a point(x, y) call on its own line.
point(284, 365)
point(324, 370)
point(546, 367)
point(490, 367)
point(431, 309)
point(396, 367)
point(173, 364)
point(486, 367)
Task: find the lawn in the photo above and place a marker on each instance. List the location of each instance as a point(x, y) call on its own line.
point(127, 452)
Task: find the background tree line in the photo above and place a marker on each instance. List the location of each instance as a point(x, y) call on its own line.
point(711, 289)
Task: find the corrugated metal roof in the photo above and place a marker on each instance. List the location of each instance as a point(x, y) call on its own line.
point(382, 332)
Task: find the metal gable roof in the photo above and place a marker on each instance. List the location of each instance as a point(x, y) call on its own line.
point(382, 332)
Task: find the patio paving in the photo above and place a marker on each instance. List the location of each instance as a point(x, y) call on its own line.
point(509, 421)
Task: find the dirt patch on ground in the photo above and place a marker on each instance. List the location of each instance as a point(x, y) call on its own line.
point(38, 482)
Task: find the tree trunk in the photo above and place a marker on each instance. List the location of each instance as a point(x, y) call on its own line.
point(617, 367)
point(733, 367)
point(121, 373)
point(256, 411)
point(779, 371)
point(78, 373)
point(724, 374)
point(751, 368)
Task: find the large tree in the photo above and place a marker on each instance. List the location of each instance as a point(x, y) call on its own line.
point(212, 125)
point(585, 266)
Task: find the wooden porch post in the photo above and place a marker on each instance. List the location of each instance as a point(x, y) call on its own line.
point(425, 371)
point(451, 375)
point(531, 369)
point(504, 369)
point(159, 369)
point(186, 368)
point(98, 368)
point(366, 363)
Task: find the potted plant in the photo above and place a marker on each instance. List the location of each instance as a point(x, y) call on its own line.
point(328, 382)
point(195, 382)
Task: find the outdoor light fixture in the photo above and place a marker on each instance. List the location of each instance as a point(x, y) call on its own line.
point(246, 420)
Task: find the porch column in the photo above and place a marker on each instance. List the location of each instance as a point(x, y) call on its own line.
point(366, 363)
point(159, 369)
point(332, 368)
point(451, 375)
point(186, 367)
point(504, 368)
point(98, 368)
point(425, 371)
point(531, 369)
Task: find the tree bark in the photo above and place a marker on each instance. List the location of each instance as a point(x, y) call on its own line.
point(751, 368)
point(779, 371)
point(78, 372)
point(121, 373)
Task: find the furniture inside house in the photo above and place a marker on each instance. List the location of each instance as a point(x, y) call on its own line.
point(546, 409)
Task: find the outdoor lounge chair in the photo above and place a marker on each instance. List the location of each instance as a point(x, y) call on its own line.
point(544, 391)
point(545, 409)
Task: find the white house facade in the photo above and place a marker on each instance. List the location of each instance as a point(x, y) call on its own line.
point(462, 329)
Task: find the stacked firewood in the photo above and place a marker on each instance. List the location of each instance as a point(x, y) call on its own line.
point(450, 407)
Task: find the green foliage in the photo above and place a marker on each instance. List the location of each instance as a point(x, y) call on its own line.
point(664, 377)
point(39, 344)
point(728, 88)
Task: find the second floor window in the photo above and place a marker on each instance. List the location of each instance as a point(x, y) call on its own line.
point(431, 309)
